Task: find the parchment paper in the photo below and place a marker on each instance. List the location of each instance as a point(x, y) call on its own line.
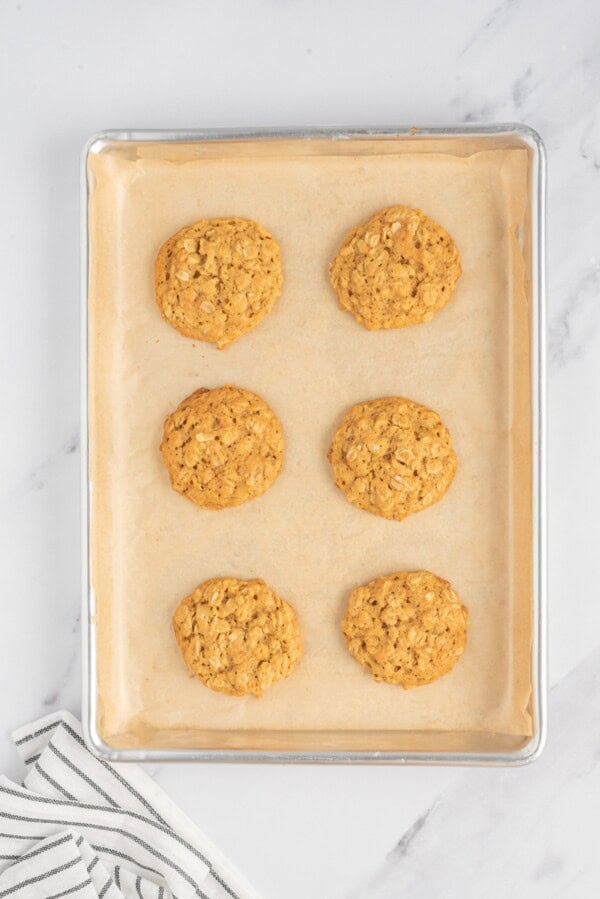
point(310, 361)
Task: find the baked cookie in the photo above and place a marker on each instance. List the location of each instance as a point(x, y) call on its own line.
point(238, 637)
point(407, 628)
point(397, 269)
point(392, 457)
point(217, 279)
point(222, 447)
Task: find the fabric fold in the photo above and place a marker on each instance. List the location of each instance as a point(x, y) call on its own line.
point(83, 827)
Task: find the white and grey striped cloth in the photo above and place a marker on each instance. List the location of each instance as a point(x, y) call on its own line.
point(81, 827)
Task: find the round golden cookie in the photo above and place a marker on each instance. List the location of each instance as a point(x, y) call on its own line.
point(222, 447)
point(392, 457)
point(397, 269)
point(407, 628)
point(238, 637)
point(217, 279)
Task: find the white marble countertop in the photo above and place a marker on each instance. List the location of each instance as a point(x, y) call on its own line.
point(71, 67)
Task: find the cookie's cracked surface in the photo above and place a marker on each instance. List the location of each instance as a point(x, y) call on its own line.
point(392, 457)
point(408, 628)
point(397, 269)
point(217, 279)
point(222, 447)
point(237, 636)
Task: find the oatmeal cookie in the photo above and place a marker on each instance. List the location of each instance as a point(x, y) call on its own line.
point(222, 447)
point(407, 628)
point(392, 457)
point(238, 637)
point(397, 269)
point(217, 279)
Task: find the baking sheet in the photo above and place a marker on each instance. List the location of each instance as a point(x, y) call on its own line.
point(310, 361)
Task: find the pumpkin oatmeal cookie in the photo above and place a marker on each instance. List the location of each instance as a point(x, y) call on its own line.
point(217, 279)
point(408, 628)
point(222, 447)
point(392, 457)
point(397, 269)
point(238, 637)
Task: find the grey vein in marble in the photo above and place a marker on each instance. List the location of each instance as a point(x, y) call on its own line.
point(500, 832)
point(589, 147)
point(575, 325)
point(37, 478)
point(405, 842)
point(54, 697)
point(496, 18)
point(523, 87)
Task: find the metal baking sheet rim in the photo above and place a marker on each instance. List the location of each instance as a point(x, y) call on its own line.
point(539, 666)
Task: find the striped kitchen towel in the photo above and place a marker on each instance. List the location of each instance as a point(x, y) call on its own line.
point(81, 827)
